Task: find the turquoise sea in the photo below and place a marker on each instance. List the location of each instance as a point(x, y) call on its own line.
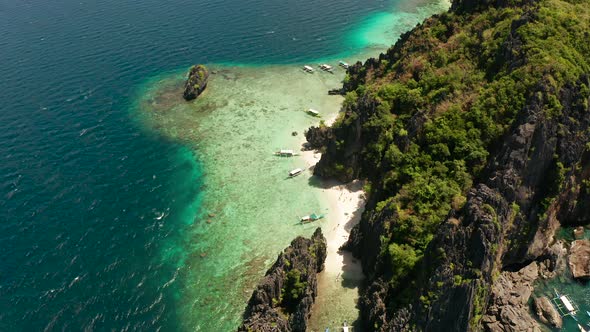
point(124, 208)
point(563, 284)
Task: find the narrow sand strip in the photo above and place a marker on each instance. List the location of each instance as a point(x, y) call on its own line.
point(342, 273)
point(346, 204)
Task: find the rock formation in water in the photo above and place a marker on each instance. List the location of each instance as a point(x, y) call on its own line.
point(472, 134)
point(508, 308)
point(547, 312)
point(579, 259)
point(196, 82)
point(283, 299)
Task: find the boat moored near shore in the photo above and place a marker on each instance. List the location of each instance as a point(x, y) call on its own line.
point(286, 153)
point(311, 218)
point(326, 67)
point(295, 172)
point(307, 69)
point(313, 112)
point(343, 64)
point(345, 327)
point(564, 305)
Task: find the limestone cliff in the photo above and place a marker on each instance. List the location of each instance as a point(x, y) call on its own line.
point(283, 299)
point(472, 131)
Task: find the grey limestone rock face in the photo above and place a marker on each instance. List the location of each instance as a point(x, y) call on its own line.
point(268, 310)
point(546, 312)
point(508, 310)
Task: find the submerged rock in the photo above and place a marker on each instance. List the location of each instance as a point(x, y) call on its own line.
point(579, 259)
point(196, 82)
point(547, 313)
point(282, 300)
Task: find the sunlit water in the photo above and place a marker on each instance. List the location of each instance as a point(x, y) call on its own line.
point(247, 113)
point(577, 291)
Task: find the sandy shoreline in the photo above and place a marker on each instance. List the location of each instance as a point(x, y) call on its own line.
point(342, 273)
point(346, 204)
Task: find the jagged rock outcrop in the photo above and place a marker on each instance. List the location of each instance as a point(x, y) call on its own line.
point(489, 233)
point(196, 82)
point(283, 299)
point(579, 259)
point(508, 309)
point(318, 137)
point(547, 312)
point(534, 179)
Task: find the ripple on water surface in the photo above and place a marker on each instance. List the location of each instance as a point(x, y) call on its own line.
point(101, 227)
point(250, 207)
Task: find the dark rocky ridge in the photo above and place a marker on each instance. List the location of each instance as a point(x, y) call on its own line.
point(534, 181)
point(268, 309)
point(517, 173)
point(318, 137)
point(196, 82)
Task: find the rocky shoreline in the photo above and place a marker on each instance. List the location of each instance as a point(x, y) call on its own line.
point(486, 248)
point(282, 301)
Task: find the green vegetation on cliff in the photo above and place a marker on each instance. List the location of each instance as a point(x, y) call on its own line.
point(424, 118)
point(293, 290)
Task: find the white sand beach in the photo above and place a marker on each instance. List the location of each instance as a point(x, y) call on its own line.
point(342, 272)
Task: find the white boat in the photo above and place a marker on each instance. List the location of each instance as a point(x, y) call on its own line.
point(568, 304)
point(564, 305)
point(313, 112)
point(326, 67)
point(311, 218)
point(581, 328)
point(308, 69)
point(343, 64)
point(295, 172)
point(286, 153)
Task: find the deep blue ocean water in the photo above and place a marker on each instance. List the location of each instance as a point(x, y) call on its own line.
point(93, 206)
point(89, 201)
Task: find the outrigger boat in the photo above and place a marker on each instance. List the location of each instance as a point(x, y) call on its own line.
point(313, 112)
point(327, 68)
point(308, 69)
point(343, 64)
point(311, 218)
point(345, 327)
point(564, 305)
point(581, 328)
point(295, 172)
point(286, 153)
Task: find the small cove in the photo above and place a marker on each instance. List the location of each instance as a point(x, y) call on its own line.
point(250, 209)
